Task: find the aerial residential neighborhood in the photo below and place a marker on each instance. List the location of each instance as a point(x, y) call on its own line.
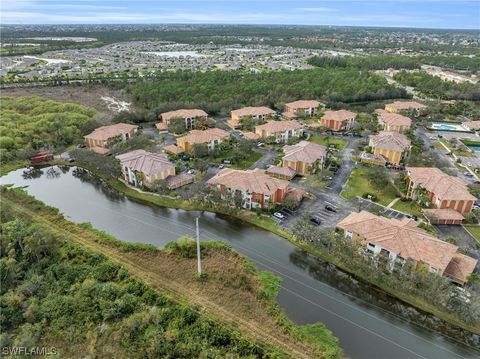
point(240, 179)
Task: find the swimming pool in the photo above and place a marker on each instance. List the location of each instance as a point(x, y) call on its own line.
point(474, 148)
point(448, 127)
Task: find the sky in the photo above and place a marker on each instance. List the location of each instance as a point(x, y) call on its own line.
point(448, 14)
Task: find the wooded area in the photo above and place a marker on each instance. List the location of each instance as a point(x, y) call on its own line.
point(32, 123)
point(219, 92)
point(434, 86)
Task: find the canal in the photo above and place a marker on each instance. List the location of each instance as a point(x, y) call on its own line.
point(369, 323)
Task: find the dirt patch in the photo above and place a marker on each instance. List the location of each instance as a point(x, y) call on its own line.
point(101, 98)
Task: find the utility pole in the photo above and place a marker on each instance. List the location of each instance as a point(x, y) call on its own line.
point(199, 260)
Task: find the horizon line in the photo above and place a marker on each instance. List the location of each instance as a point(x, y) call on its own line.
point(241, 24)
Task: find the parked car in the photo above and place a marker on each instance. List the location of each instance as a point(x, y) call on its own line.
point(261, 144)
point(221, 166)
point(278, 215)
point(327, 178)
point(191, 172)
point(330, 208)
point(315, 220)
point(468, 174)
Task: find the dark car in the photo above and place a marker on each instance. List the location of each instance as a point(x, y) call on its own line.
point(315, 220)
point(330, 208)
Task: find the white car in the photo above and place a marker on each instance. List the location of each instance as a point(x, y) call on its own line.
point(278, 215)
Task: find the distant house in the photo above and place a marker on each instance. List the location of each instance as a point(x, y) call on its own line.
point(301, 108)
point(189, 116)
point(399, 106)
point(211, 137)
point(282, 131)
point(442, 190)
point(140, 167)
point(391, 145)
point(471, 125)
point(257, 113)
point(102, 138)
point(304, 157)
point(401, 240)
point(258, 189)
point(393, 122)
point(341, 120)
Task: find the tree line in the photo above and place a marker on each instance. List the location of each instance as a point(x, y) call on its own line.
point(219, 92)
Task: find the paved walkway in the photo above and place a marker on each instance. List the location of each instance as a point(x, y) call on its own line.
point(391, 204)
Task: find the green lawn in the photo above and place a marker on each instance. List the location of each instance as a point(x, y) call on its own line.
point(246, 163)
point(329, 140)
point(358, 184)
point(408, 207)
point(474, 230)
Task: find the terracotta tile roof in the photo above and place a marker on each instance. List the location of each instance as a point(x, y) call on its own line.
point(145, 162)
point(183, 113)
point(281, 171)
point(340, 115)
point(253, 111)
point(251, 135)
point(279, 126)
point(289, 115)
point(251, 181)
point(161, 126)
point(460, 267)
point(373, 157)
point(303, 104)
point(205, 136)
point(471, 125)
point(179, 180)
point(442, 214)
point(388, 140)
point(393, 118)
point(105, 132)
point(304, 151)
point(173, 149)
point(406, 105)
point(402, 237)
point(444, 187)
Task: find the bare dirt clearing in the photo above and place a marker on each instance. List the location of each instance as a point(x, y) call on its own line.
point(90, 95)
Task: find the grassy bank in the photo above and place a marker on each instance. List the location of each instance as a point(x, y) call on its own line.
point(232, 293)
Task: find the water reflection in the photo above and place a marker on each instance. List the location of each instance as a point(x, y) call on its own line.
point(86, 176)
point(32, 173)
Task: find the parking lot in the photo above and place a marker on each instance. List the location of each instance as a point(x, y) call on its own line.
point(367, 205)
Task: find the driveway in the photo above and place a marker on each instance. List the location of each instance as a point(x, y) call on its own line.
point(268, 155)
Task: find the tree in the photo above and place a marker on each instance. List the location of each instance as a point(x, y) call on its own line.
point(200, 150)
point(177, 126)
